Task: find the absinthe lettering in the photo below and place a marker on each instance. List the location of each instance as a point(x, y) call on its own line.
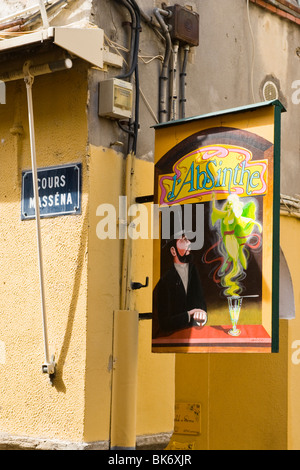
point(212, 177)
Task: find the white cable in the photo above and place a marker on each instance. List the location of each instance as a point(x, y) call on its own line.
point(116, 47)
point(145, 58)
point(253, 51)
point(150, 58)
point(44, 14)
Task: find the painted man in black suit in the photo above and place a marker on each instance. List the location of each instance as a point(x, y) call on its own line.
point(180, 300)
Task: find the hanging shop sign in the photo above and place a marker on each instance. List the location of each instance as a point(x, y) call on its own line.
point(59, 191)
point(216, 261)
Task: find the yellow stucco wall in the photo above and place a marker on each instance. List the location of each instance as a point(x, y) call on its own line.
point(155, 406)
point(248, 401)
point(258, 396)
point(30, 405)
point(290, 231)
point(105, 185)
point(243, 398)
point(156, 372)
point(82, 279)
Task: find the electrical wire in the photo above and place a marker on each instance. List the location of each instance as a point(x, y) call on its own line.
point(133, 60)
point(132, 47)
point(145, 58)
point(136, 73)
point(117, 47)
point(150, 58)
point(133, 72)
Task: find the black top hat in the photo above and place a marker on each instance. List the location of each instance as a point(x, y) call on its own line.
point(172, 240)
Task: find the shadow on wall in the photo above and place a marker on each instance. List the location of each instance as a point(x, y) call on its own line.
point(57, 379)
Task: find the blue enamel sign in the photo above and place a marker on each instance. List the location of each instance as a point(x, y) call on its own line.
point(59, 191)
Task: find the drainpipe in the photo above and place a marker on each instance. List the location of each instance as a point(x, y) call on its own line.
point(48, 366)
point(125, 291)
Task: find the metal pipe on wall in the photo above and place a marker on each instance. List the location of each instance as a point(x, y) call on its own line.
point(48, 366)
point(36, 70)
point(125, 343)
point(173, 83)
point(182, 86)
point(164, 76)
point(125, 276)
point(125, 320)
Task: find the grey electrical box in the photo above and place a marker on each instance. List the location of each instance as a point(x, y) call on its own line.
point(184, 25)
point(115, 99)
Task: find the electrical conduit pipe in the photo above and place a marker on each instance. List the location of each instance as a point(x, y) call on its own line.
point(125, 320)
point(164, 77)
point(125, 345)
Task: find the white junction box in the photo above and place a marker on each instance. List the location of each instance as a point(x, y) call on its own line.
point(115, 99)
